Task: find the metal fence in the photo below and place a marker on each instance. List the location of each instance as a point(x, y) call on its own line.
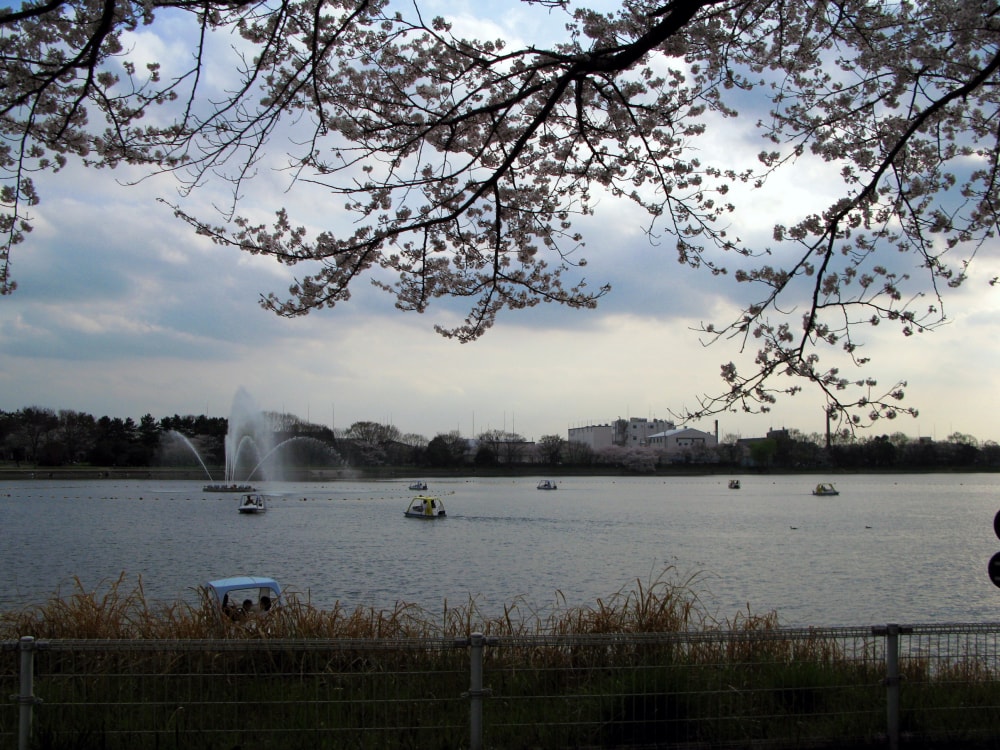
point(886, 686)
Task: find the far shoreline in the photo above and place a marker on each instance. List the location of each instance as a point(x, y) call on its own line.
point(76, 473)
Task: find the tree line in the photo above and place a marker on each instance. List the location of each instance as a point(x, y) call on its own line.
point(45, 437)
point(36, 436)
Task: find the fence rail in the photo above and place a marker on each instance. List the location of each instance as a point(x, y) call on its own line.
point(891, 686)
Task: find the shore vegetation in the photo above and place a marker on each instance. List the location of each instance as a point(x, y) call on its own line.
point(647, 667)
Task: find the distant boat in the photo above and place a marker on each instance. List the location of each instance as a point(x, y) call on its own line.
point(229, 488)
point(252, 503)
point(734, 484)
point(825, 489)
point(419, 486)
point(426, 507)
point(547, 484)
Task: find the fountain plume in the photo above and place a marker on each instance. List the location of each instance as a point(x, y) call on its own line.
point(250, 450)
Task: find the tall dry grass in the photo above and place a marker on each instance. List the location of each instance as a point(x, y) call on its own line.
point(116, 610)
point(717, 683)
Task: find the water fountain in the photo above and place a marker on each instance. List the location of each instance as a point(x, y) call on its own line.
point(248, 446)
point(251, 454)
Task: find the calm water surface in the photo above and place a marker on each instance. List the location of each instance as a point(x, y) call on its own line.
point(900, 548)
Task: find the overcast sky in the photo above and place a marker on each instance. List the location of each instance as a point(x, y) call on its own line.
point(121, 311)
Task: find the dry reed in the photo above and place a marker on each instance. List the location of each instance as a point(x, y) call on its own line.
point(704, 680)
point(665, 603)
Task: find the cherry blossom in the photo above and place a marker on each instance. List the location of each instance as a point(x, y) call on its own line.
point(464, 164)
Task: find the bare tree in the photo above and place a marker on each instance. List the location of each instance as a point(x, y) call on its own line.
point(507, 447)
point(579, 454)
point(373, 433)
point(550, 448)
point(464, 162)
point(413, 439)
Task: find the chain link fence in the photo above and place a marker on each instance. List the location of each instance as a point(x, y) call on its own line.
point(887, 686)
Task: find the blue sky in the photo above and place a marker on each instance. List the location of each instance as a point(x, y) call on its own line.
point(121, 310)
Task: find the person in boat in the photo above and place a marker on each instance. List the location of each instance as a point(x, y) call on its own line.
point(265, 603)
point(247, 608)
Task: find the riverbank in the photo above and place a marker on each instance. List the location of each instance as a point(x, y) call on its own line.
point(189, 474)
point(162, 473)
point(91, 472)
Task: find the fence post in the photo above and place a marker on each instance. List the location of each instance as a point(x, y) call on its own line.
point(26, 698)
point(892, 679)
point(892, 684)
point(476, 691)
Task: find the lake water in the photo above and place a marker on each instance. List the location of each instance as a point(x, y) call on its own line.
point(899, 548)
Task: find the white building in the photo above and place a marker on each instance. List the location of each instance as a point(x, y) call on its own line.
point(633, 432)
point(597, 436)
point(684, 440)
